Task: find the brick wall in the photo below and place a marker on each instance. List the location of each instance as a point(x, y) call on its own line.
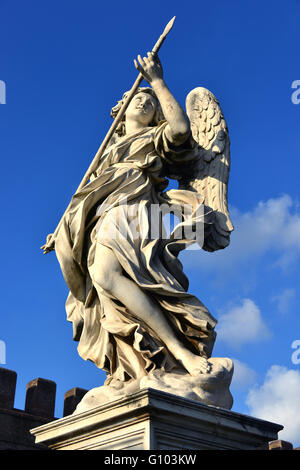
point(15, 424)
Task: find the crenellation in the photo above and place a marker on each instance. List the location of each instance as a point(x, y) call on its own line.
point(40, 398)
point(71, 399)
point(8, 380)
point(15, 424)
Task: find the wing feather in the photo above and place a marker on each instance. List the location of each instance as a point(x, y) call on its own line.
point(211, 170)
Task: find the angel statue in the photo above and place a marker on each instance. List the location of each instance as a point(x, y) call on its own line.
point(132, 314)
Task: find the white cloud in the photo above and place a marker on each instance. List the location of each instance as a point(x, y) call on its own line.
point(284, 300)
point(277, 400)
point(272, 225)
point(243, 375)
point(242, 324)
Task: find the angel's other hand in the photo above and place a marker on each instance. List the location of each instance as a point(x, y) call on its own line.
point(150, 67)
point(49, 245)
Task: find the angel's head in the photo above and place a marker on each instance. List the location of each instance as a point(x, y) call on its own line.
point(144, 108)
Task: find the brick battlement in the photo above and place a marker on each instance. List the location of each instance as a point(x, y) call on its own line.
point(39, 409)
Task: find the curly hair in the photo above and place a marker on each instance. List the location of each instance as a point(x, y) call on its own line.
point(158, 116)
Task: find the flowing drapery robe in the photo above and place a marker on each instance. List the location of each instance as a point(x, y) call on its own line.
point(131, 173)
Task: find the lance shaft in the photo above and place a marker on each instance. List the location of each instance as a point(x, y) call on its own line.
point(93, 166)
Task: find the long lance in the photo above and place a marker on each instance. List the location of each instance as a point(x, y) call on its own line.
point(93, 166)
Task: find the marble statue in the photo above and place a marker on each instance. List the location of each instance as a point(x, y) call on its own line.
point(129, 304)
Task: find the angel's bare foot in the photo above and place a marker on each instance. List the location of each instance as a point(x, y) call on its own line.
point(196, 365)
point(203, 367)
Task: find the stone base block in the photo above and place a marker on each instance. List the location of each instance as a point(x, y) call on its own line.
point(156, 420)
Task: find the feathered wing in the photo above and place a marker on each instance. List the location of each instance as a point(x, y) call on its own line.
point(210, 172)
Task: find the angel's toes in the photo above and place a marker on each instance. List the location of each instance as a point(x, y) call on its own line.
point(203, 367)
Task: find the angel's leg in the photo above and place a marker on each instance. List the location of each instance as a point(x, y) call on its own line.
point(108, 275)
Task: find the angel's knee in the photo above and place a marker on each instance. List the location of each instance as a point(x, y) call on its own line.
point(106, 269)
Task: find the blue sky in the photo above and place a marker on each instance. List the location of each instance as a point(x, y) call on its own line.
point(64, 65)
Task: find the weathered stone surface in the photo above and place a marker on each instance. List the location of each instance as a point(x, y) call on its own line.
point(154, 420)
point(210, 389)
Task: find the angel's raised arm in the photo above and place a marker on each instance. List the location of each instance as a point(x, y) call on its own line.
point(178, 129)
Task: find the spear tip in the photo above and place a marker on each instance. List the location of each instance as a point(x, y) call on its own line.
point(169, 26)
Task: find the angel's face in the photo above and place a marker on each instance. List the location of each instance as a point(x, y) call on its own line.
point(141, 108)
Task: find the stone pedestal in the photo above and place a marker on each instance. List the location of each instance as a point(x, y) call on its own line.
point(155, 420)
